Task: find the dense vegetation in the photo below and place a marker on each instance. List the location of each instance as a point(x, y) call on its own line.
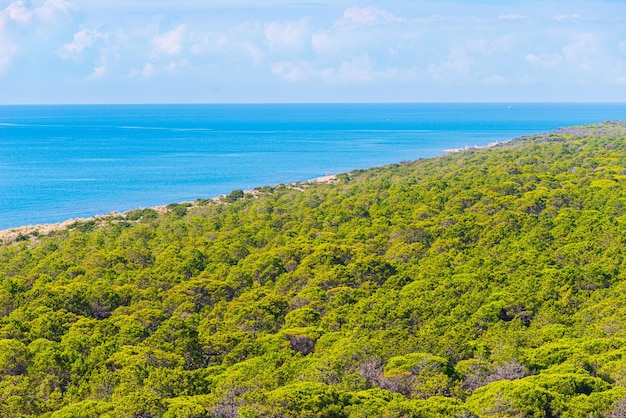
point(489, 282)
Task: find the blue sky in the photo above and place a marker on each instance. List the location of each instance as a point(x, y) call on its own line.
point(194, 51)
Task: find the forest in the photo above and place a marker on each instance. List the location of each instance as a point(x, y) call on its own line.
point(483, 283)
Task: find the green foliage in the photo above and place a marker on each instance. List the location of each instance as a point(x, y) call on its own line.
point(419, 375)
point(488, 282)
point(234, 196)
point(84, 409)
point(141, 214)
point(514, 398)
point(306, 400)
point(14, 357)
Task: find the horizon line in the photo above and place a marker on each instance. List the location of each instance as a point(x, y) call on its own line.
point(308, 103)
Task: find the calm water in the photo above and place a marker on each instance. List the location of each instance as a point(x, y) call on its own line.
point(62, 162)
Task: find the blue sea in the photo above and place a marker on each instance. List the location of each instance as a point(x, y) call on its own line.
point(64, 162)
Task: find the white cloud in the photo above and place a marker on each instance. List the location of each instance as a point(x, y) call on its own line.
point(494, 80)
point(148, 70)
point(343, 43)
point(291, 36)
point(83, 39)
point(6, 53)
point(574, 16)
point(366, 16)
point(206, 43)
point(491, 46)
point(456, 65)
point(365, 30)
point(7, 49)
point(466, 61)
point(583, 55)
point(169, 43)
point(300, 71)
point(582, 51)
point(98, 73)
point(235, 46)
point(22, 11)
point(18, 12)
point(251, 51)
point(53, 9)
point(102, 66)
point(151, 69)
point(514, 16)
point(246, 40)
point(24, 28)
point(356, 70)
point(141, 53)
point(544, 60)
point(326, 42)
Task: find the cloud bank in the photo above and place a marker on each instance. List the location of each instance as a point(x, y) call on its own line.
point(74, 50)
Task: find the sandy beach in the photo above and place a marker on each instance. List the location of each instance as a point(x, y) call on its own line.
point(467, 147)
point(12, 235)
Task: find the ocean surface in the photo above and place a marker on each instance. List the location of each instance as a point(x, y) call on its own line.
point(64, 162)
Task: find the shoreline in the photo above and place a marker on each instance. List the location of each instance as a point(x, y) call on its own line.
point(12, 235)
point(473, 147)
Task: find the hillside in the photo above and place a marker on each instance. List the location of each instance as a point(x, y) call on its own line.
point(484, 283)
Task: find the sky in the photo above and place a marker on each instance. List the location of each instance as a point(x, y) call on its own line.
point(268, 51)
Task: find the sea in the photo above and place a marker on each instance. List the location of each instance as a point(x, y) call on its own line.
point(74, 161)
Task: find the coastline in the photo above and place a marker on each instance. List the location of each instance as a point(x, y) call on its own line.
point(12, 235)
point(467, 147)
point(374, 129)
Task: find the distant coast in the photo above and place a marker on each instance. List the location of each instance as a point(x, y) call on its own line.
point(467, 147)
point(62, 162)
point(12, 235)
